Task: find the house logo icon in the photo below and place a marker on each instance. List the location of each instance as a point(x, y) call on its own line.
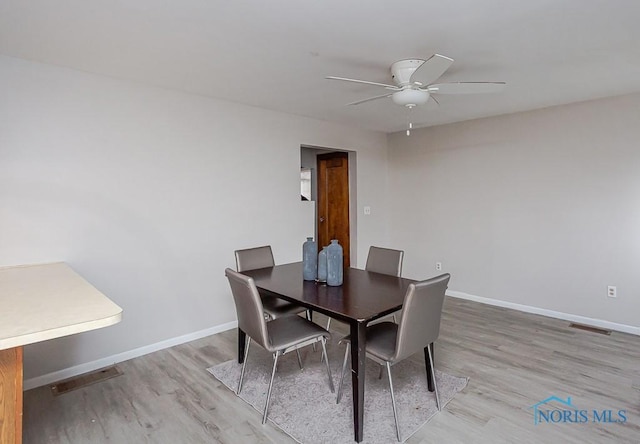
point(543, 406)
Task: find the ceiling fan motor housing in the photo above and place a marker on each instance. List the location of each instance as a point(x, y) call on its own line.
point(402, 70)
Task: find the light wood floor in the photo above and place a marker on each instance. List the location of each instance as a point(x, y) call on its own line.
point(513, 360)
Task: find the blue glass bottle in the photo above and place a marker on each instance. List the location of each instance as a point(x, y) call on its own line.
point(322, 265)
point(309, 260)
point(335, 269)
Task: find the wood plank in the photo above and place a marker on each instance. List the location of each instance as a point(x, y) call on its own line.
point(11, 396)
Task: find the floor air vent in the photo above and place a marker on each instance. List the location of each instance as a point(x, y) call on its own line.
point(590, 328)
point(77, 382)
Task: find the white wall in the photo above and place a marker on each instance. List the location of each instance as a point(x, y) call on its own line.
point(539, 208)
point(147, 192)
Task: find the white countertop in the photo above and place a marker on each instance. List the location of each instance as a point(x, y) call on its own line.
point(47, 301)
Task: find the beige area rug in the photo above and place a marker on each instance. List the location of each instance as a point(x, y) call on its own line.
point(303, 406)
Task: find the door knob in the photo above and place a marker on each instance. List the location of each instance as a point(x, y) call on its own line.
point(322, 219)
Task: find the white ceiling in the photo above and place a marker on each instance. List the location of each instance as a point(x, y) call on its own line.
point(275, 54)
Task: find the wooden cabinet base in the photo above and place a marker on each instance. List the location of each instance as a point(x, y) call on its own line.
point(11, 396)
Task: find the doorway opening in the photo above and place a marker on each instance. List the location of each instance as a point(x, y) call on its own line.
point(330, 176)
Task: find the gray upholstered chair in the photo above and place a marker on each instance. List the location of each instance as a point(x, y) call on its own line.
point(389, 343)
point(279, 336)
point(383, 261)
point(262, 257)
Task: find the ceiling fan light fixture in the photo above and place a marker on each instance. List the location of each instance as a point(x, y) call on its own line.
point(410, 97)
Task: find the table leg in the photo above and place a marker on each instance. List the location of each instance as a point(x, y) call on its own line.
point(242, 342)
point(430, 371)
point(358, 356)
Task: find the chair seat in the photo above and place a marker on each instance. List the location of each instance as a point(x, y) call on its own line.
point(288, 331)
point(381, 340)
point(277, 308)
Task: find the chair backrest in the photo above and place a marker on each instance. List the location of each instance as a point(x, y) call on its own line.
point(254, 258)
point(248, 307)
point(419, 325)
point(385, 261)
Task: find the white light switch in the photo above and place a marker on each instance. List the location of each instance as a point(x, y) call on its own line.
point(367, 211)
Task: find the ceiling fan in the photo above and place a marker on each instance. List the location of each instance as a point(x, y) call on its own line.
point(414, 85)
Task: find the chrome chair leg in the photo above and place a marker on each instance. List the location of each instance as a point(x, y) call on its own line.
point(307, 314)
point(273, 373)
point(244, 364)
point(326, 360)
point(393, 403)
point(433, 373)
point(344, 367)
point(299, 359)
point(328, 324)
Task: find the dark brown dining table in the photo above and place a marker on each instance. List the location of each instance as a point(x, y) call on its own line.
point(363, 297)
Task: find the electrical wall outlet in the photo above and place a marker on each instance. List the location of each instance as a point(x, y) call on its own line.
point(367, 211)
point(611, 291)
point(438, 266)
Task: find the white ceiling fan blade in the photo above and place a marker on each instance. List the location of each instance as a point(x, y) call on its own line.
point(369, 99)
point(366, 82)
point(466, 87)
point(431, 69)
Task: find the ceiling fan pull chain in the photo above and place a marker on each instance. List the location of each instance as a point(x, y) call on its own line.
point(409, 124)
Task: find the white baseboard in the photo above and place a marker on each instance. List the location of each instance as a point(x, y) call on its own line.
point(549, 313)
point(114, 359)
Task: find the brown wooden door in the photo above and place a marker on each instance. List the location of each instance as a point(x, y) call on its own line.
point(333, 201)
